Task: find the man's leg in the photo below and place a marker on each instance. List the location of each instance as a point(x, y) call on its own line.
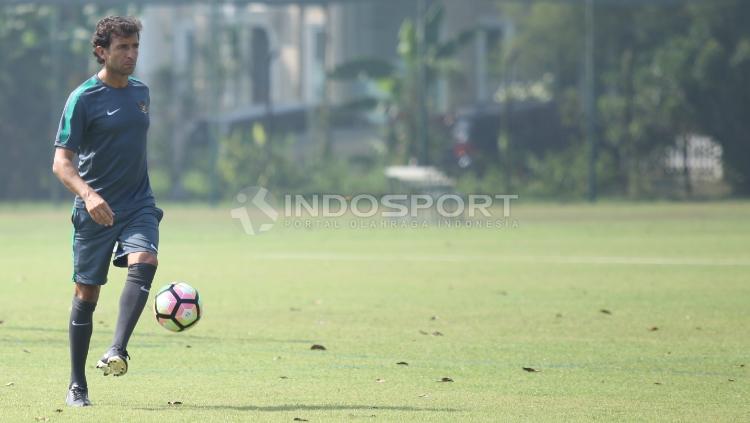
point(141, 271)
point(135, 293)
point(92, 251)
point(137, 247)
point(79, 330)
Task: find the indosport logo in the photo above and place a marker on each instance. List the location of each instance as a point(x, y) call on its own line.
point(254, 209)
point(257, 210)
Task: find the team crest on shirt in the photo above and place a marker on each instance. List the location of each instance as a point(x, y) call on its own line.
point(143, 106)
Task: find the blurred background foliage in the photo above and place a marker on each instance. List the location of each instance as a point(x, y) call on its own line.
point(665, 71)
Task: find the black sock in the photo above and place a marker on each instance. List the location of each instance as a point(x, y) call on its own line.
point(132, 300)
point(79, 330)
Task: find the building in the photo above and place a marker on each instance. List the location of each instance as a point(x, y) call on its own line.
point(239, 63)
point(244, 56)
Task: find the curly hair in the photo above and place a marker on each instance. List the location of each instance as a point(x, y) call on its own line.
point(121, 26)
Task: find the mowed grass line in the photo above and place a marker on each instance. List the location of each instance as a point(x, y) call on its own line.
point(673, 277)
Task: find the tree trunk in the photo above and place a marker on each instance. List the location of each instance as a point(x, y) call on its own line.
point(686, 166)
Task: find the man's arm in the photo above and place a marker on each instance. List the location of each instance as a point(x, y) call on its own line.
point(67, 173)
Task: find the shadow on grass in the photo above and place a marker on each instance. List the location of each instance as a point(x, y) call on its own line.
point(186, 337)
point(298, 407)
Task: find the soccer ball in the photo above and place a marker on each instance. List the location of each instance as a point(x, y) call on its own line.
point(177, 306)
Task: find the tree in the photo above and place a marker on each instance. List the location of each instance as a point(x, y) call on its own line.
point(662, 71)
point(46, 54)
point(710, 61)
point(401, 88)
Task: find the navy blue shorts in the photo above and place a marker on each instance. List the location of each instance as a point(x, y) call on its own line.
point(133, 231)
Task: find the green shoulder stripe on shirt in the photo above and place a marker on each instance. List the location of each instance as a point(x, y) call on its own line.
point(136, 80)
point(71, 105)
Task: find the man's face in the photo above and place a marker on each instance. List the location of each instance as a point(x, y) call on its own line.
point(122, 54)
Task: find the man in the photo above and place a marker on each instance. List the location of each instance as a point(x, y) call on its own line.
point(104, 126)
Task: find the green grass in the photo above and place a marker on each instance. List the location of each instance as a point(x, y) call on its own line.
point(529, 296)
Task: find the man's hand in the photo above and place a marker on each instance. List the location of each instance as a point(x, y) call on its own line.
point(99, 209)
point(67, 173)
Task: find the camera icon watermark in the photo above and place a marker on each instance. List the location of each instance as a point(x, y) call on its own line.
point(258, 211)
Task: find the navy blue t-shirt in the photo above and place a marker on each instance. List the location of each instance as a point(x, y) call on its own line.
point(107, 127)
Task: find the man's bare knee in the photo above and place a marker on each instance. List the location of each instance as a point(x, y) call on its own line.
point(88, 293)
point(142, 257)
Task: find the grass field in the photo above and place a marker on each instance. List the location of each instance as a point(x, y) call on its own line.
point(629, 312)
